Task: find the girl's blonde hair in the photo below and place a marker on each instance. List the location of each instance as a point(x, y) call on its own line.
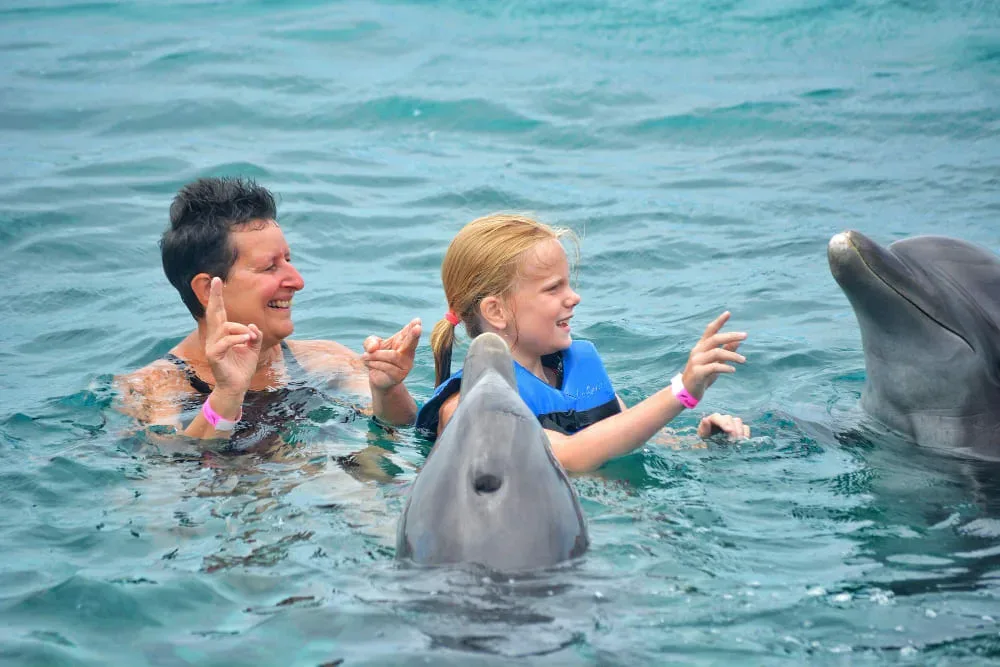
point(483, 260)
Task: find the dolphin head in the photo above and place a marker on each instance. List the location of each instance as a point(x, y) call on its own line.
point(929, 312)
point(491, 491)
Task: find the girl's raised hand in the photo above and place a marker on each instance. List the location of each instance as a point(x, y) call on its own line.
point(709, 356)
point(232, 349)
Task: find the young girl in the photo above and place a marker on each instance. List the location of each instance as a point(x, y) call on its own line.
point(509, 275)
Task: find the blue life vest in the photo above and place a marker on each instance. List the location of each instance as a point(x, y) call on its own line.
point(584, 397)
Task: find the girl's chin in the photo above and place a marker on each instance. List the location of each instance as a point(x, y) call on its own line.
point(563, 344)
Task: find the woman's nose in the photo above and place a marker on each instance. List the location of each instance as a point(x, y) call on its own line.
point(294, 279)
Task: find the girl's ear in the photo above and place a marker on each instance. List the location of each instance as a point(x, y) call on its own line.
point(492, 310)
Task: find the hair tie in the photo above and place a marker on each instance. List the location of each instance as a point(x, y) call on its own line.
point(452, 318)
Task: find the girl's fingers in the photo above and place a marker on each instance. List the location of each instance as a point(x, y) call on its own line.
point(722, 354)
point(720, 339)
point(716, 324)
point(716, 368)
point(716, 355)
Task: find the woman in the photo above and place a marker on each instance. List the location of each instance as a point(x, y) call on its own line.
point(225, 254)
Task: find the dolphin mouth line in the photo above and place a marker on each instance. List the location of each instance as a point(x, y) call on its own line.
point(907, 299)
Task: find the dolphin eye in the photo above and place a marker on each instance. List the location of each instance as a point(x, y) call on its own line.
point(487, 483)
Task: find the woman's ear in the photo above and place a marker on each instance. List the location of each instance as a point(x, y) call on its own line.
point(492, 310)
point(201, 284)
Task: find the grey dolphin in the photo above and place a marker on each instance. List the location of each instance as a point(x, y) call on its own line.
point(491, 492)
point(929, 312)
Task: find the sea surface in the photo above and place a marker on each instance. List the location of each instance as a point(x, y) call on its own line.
point(704, 152)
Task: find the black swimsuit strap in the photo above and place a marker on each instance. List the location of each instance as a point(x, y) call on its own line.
point(292, 365)
point(197, 383)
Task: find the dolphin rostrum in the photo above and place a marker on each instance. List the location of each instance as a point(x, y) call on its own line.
point(491, 492)
point(929, 312)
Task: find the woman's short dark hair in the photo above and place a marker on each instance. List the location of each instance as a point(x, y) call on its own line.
point(201, 217)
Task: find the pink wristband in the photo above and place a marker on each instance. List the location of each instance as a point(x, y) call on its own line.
point(681, 393)
point(218, 422)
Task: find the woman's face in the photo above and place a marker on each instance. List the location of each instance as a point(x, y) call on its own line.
point(262, 282)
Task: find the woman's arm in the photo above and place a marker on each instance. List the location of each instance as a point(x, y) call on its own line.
point(378, 373)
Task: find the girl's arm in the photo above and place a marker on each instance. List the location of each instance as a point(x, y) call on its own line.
point(619, 434)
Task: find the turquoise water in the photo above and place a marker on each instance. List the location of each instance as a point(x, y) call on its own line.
point(705, 152)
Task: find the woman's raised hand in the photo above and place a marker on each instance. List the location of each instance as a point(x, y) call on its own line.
point(709, 356)
point(232, 349)
point(389, 361)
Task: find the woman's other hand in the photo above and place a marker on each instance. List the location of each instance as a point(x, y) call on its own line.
point(390, 360)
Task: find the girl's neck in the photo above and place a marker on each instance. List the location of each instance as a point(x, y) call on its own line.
point(533, 364)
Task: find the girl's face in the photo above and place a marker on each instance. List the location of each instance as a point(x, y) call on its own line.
point(541, 304)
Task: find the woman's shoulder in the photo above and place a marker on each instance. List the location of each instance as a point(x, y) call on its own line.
point(160, 373)
point(151, 392)
point(319, 346)
point(320, 355)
